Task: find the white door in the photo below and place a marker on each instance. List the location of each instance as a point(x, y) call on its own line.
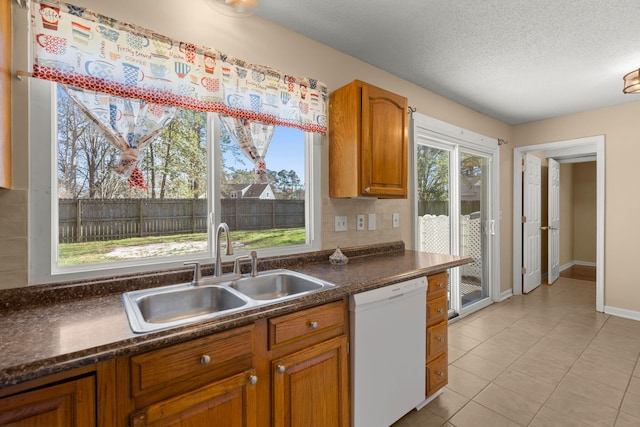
point(554, 221)
point(531, 275)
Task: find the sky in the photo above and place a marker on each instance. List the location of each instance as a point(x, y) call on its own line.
point(286, 151)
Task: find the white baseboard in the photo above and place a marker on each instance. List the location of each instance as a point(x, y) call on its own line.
point(567, 265)
point(585, 263)
point(621, 312)
point(506, 294)
point(574, 262)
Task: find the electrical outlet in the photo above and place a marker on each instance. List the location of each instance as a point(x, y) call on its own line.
point(372, 221)
point(360, 223)
point(341, 223)
point(395, 219)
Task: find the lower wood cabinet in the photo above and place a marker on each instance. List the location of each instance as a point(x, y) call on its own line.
point(71, 403)
point(289, 370)
point(229, 402)
point(311, 388)
point(437, 337)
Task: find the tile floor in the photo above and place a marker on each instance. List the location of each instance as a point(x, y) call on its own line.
point(542, 360)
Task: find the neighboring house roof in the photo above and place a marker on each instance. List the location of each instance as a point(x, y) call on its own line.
point(253, 191)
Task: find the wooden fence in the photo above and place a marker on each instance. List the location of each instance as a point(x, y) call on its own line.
point(108, 219)
point(442, 208)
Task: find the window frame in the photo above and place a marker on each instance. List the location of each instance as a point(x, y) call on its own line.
point(43, 211)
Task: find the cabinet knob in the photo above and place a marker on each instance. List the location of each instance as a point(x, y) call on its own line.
point(313, 324)
point(280, 369)
point(253, 379)
point(440, 311)
point(205, 359)
point(440, 285)
point(440, 374)
point(367, 190)
point(440, 339)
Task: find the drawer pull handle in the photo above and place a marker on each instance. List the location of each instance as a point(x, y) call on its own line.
point(440, 339)
point(280, 369)
point(313, 324)
point(205, 359)
point(440, 311)
point(253, 379)
point(440, 374)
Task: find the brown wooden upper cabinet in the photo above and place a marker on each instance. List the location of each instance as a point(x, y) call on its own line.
point(368, 142)
point(5, 93)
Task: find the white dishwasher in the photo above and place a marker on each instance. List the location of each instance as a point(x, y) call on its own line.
point(388, 351)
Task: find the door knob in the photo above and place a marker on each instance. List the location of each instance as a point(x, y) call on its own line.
point(545, 228)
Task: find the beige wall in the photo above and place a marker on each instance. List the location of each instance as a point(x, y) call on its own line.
point(584, 212)
point(621, 128)
point(262, 42)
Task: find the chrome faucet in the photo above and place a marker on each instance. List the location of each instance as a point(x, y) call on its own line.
point(218, 266)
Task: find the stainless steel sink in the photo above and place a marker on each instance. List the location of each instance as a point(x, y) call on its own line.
point(278, 285)
point(170, 306)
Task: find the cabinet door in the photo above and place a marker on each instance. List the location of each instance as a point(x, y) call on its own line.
point(311, 387)
point(384, 143)
point(437, 374)
point(67, 404)
point(229, 402)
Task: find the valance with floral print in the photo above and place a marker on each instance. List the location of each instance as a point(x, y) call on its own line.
point(75, 46)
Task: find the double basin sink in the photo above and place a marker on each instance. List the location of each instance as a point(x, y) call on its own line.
point(170, 306)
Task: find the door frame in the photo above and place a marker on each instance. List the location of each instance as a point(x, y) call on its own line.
point(444, 134)
point(591, 147)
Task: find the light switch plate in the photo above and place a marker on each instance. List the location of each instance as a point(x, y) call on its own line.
point(341, 223)
point(395, 218)
point(372, 221)
point(360, 222)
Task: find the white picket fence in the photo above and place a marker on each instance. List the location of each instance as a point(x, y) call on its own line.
point(434, 237)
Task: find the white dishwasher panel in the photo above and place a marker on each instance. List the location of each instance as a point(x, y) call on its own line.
point(388, 352)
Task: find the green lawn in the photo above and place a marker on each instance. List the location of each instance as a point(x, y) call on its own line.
point(142, 247)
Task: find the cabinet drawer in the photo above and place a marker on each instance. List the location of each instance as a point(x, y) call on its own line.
point(436, 340)
point(437, 374)
point(437, 285)
point(436, 310)
point(306, 323)
point(197, 361)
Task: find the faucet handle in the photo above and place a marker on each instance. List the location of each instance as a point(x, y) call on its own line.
point(236, 264)
point(197, 273)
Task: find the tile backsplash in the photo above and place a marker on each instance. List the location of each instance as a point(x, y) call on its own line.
point(13, 238)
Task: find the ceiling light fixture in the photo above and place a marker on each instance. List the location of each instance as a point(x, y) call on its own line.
point(234, 8)
point(632, 82)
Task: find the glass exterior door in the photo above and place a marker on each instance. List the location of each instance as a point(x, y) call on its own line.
point(455, 207)
point(474, 226)
point(433, 201)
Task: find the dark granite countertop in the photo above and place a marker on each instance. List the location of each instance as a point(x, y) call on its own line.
point(65, 333)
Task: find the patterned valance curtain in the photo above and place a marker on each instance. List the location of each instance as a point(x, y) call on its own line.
point(253, 138)
point(75, 46)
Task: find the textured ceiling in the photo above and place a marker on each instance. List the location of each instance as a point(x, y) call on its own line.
point(515, 60)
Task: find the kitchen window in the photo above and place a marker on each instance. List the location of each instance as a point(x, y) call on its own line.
point(195, 177)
